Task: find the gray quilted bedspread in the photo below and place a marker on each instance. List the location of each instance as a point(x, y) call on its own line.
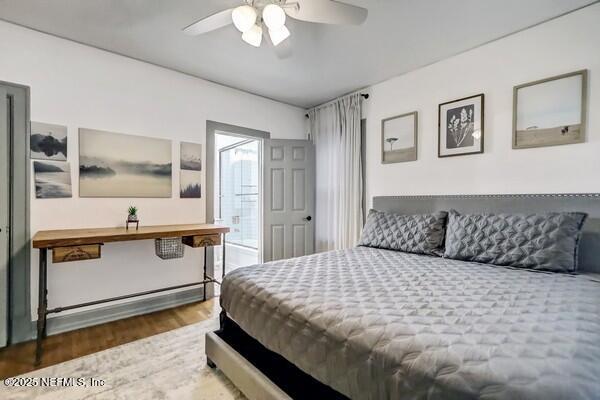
point(381, 324)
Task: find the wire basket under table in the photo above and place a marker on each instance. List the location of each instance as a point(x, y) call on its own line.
point(169, 248)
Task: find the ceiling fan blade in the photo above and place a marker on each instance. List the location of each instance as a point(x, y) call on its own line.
point(327, 12)
point(210, 23)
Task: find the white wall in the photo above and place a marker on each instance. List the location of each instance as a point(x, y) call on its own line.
point(563, 45)
point(79, 86)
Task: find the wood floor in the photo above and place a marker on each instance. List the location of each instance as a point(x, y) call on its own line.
point(18, 359)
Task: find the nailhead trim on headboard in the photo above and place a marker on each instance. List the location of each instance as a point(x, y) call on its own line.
point(459, 196)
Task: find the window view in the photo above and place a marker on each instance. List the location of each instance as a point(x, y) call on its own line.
point(239, 192)
point(237, 198)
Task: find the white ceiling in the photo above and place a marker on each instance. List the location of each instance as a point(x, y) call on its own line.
point(328, 61)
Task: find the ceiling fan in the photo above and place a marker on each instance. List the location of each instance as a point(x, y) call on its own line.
point(255, 18)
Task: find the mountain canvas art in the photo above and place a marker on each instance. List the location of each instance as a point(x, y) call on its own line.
point(48, 142)
point(119, 165)
point(190, 177)
point(191, 156)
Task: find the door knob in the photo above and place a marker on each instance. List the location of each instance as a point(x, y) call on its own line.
point(309, 218)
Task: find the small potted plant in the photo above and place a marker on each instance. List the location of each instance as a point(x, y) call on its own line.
point(132, 217)
point(132, 214)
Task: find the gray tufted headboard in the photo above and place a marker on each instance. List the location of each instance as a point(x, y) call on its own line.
point(589, 250)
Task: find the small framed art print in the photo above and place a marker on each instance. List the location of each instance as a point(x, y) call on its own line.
point(550, 112)
point(399, 138)
point(460, 126)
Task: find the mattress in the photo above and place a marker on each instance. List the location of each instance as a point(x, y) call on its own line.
point(381, 324)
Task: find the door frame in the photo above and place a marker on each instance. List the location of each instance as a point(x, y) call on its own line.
point(212, 128)
point(20, 325)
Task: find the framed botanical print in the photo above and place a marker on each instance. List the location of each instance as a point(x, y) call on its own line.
point(460, 126)
point(550, 112)
point(399, 138)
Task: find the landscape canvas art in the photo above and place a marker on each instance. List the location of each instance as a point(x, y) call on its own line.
point(119, 165)
point(460, 126)
point(190, 177)
point(48, 141)
point(52, 179)
point(191, 156)
point(550, 112)
point(190, 184)
point(399, 138)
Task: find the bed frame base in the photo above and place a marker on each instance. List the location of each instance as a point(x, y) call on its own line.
point(246, 377)
point(258, 372)
point(210, 363)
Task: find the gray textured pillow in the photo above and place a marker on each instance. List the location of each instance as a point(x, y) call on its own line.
point(536, 241)
point(423, 234)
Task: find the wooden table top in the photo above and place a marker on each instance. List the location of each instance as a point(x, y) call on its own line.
point(75, 237)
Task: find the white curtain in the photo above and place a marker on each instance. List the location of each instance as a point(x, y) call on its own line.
point(335, 130)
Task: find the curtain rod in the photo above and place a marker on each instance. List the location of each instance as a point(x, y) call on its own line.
point(363, 95)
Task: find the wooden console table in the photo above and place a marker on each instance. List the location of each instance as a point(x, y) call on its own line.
point(85, 244)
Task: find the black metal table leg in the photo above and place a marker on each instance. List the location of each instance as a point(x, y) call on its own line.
point(205, 253)
point(42, 304)
point(45, 298)
point(223, 269)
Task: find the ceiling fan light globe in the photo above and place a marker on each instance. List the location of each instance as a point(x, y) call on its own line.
point(253, 36)
point(274, 16)
point(244, 17)
point(279, 35)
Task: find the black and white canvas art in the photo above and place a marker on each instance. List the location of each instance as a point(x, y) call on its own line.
point(461, 127)
point(48, 141)
point(550, 111)
point(119, 165)
point(191, 156)
point(190, 177)
point(399, 138)
point(190, 184)
point(52, 179)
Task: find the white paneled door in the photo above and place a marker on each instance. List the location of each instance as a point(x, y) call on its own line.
point(289, 199)
point(4, 213)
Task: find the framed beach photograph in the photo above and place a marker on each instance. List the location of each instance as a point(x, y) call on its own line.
point(52, 179)
point(399, 137)
point(118, 165)
point(460, 126)
point(48, 142)
point(550, 112)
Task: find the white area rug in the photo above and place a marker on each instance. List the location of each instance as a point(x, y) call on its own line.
point(170, 365)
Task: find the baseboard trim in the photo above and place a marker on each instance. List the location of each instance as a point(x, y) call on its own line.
point(83, 319)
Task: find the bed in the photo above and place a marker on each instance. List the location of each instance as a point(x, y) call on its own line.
point(368, 323)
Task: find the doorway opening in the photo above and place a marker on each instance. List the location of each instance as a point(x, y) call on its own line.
point(263, 189)
point(238, 198)
point(234, 159)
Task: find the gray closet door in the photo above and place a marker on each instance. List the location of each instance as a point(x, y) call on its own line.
point(288, 199)
point(4, 214)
